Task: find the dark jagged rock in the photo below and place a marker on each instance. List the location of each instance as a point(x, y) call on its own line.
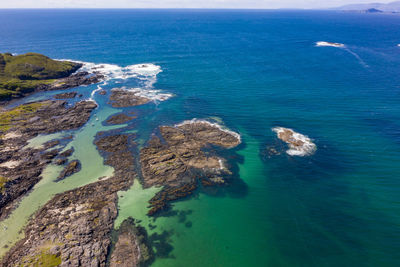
point(49, 155)
point(51, 144)
point(102, 92)
point(119, 119)
point(67, 153)
point(21, 168)
point(178, 163)
point(73, 167)
point(74, 228)
point(75, 80)
point(131, 248)
point(66, 95)
point(60, 161)
point(121, 98)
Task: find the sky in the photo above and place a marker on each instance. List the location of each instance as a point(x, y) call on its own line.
point(180, 3)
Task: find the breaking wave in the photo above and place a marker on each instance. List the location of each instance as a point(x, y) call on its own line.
point(299, 144)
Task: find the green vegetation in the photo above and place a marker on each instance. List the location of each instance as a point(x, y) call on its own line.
point(43, 256)
point(23, 73)
point(44, 259)
point(26, 110)
point(3, 181)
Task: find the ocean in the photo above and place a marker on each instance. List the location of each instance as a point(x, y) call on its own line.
point(250, 71)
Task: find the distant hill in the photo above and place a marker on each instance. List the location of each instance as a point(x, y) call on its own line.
point(372, 7)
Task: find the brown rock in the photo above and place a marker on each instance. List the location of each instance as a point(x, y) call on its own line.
point(131, 248)
point(73, 167)
point(180, 162)
point(121, 98)
point(119, 118)
point(66, 95)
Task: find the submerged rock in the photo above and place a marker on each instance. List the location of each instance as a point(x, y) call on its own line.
point(179, 161)
point(299, 145)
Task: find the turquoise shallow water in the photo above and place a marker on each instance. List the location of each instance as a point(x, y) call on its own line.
point(254, 70)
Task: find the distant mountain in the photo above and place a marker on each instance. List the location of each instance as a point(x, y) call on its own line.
point(372, 7)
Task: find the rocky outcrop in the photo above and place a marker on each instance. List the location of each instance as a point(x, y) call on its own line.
point(121, 98)
point(21, 168)
point(72, 167)
point(73, 229)
point(66, 95)
point(131, 248)
point(77, 79)
point(119, 119)
point(299, 145)
point(179, 160)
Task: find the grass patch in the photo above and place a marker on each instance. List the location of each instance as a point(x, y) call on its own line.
point(3, 181)
point(26, 110)
point(44, 259)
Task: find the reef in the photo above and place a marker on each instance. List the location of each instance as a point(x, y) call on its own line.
point(25, 74)
point(181, 158)
point(72, 167)
point(299, 145)
point(121, 98)
point(21, 167)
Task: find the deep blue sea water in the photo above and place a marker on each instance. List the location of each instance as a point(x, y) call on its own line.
point(255, 70)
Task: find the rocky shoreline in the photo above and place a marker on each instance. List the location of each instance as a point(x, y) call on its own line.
point(74, 228)
point(20, 167)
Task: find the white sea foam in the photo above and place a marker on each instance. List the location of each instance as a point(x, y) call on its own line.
point(216, 125)
point(323, 43)
point(221, 164)
point(146, 73)
point(299, 144)
point(94, 91)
